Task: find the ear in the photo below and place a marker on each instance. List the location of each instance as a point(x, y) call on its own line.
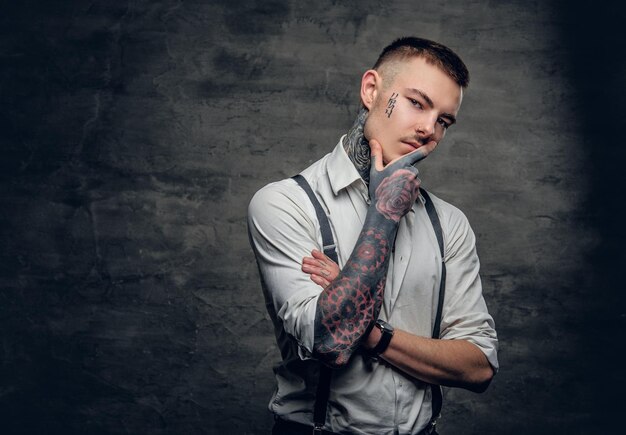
point(371, 83)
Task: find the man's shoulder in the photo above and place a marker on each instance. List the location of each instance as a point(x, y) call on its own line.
point(275, 195)
point(446, 211)
point(284, 204)
point(288, 189)
point(455, 225)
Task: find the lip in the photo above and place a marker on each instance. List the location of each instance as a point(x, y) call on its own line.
point(415, 145)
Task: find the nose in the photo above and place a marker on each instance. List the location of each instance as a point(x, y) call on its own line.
point(425, 127)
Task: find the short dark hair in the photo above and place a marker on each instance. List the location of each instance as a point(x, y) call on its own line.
point(437, 54)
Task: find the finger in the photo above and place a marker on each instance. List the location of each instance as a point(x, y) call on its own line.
point(376, 155)
point(415, 156)
point(309, 265)
point(322, 259)
point(320, 281)
point(408, 159)
point(315, 269)
point(421, 153)
point(325, 260)
point(320, 255)
point(309, 260)
point(430, 146)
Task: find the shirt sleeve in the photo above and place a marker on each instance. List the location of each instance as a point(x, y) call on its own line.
point(465, 314)
point(281, 233)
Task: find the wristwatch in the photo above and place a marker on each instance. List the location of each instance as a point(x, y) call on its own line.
point(387, 332)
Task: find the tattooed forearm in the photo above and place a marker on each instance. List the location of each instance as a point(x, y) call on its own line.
point(348, 306)
point(357, 146)
point(391, 104)
point(351, 302)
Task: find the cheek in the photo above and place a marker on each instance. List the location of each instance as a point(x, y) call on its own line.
point(405, 113)
point(440, 132)
point(375, 125)
point(367, 127)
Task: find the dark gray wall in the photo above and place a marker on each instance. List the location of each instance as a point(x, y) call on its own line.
point(134, 134)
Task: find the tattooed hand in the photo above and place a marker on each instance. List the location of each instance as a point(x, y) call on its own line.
point(394, 188)
point(322, 270)
point(351, 299)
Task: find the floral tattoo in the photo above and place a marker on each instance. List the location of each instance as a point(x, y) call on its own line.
point(357, 147)
point(396, 194)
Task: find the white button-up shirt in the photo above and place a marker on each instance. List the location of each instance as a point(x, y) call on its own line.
point(366, 397)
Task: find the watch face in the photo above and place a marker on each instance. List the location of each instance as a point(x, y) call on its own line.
point(384, 326)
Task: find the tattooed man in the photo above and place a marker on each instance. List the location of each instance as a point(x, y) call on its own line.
point(389, 269)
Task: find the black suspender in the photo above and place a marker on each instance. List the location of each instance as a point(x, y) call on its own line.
point(434, 220)
point(327, 235)
point(323, 386)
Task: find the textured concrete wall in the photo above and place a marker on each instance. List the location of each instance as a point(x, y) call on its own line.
point(134, 134)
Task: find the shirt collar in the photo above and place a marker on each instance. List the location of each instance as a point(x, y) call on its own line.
point(341, 170)
point(342, 173)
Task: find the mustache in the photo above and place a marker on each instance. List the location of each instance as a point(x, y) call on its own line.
point(417, 140)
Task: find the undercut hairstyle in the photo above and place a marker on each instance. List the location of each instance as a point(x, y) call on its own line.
point(433, 52)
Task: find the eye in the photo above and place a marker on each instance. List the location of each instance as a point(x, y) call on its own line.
point(415, 103)
point(445, 124)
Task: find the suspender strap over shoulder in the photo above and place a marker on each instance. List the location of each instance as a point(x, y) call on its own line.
point(328, 241)
point(434, 219)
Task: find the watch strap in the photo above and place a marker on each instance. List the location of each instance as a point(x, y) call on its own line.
point(387, 333)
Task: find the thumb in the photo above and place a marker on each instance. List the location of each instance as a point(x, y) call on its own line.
point(376, 155)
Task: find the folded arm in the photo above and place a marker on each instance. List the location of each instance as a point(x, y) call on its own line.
point(465, 357)
point(452, 363)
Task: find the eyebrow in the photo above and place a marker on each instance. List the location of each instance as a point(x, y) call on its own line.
point(430, 103)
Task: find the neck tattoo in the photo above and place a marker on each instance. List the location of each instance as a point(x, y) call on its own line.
point(357, 147)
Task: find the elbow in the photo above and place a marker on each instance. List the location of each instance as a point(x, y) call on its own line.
point(333, 364)
point(330, 353)
point(328, 350)
point(332, 359)
point(480, 379)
